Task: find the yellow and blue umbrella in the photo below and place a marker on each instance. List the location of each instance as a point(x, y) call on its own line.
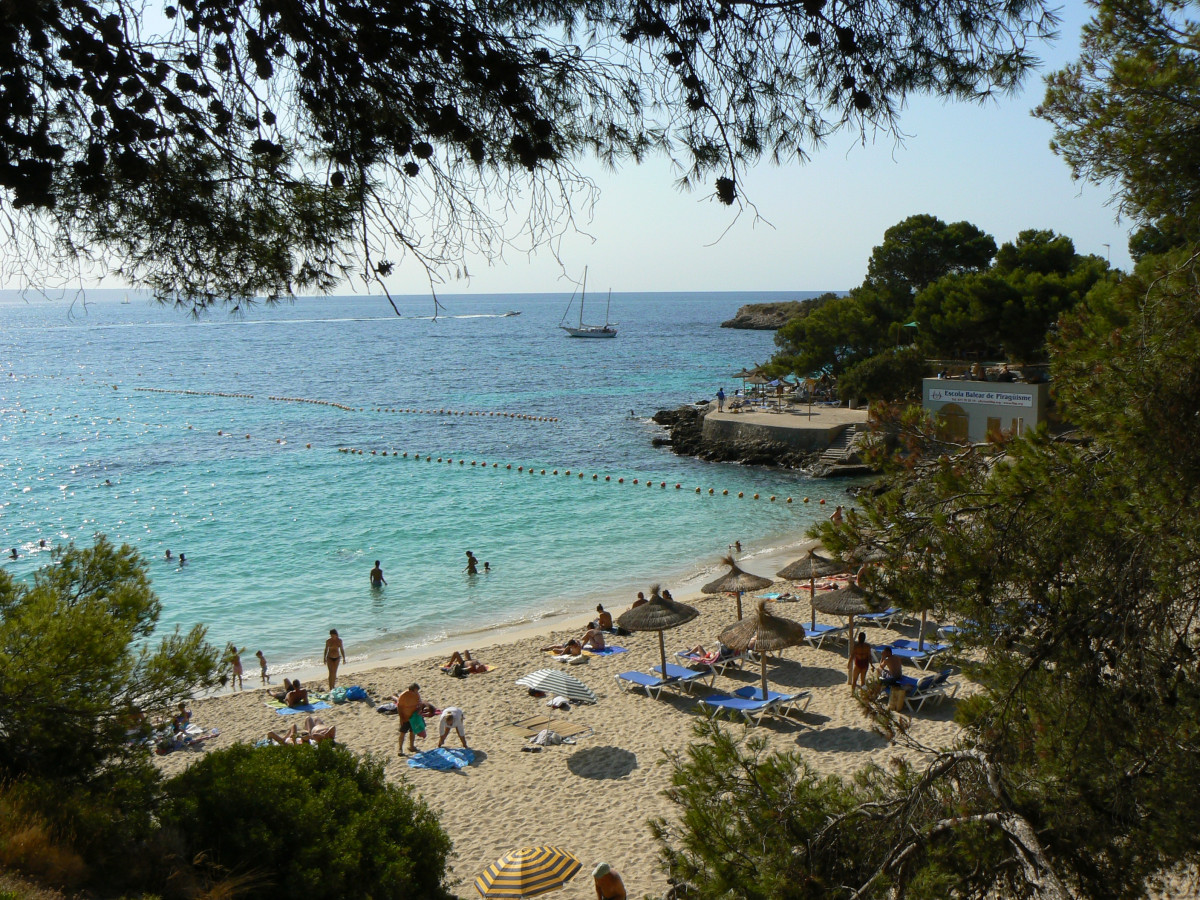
point(527, 872)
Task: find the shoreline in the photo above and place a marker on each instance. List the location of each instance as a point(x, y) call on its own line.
point(775, 552)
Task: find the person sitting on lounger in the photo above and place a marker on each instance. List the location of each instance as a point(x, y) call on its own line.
point(860, 661)
point(891, 667)
point(593, 638)
point(297, 696)
point(465, 663)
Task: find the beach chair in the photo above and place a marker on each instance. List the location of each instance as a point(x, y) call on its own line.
point(785, 704)
point(931, 651)
point(651, 684)
point(933, 687)
point(678, 676)
point(883, 618)
point(750, 710)
point(715, 661)
point(817, 634)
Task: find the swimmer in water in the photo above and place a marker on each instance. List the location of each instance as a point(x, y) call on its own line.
point(42, 544)
point(12, 554)
point(472, 564)
point(487, 567)
point(168, 556)
point(182, 560)
point(377, 579)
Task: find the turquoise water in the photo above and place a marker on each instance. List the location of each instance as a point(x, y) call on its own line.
point(280, 536)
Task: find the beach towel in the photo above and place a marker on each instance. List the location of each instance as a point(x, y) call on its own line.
point(306, 708)
point(442, 758)
point(388, 709)
point(610, 650)
point(546, 737)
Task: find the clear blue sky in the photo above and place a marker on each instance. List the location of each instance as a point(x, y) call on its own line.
point(989, 164)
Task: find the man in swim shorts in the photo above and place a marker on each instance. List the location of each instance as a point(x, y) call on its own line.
point(335, 654)
point(407, 703)
point(452, 717)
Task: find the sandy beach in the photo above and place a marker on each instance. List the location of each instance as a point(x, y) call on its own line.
point(595, 796)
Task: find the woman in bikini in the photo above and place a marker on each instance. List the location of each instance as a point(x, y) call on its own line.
point(860, 661)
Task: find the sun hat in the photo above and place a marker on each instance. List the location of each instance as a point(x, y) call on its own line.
point(601, 870)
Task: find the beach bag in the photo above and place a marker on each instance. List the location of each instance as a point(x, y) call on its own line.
point(356, 693)
point(338, 695)
point(387, 709)
point(418, 725)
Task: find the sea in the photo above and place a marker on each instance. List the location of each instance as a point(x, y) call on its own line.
point(284, 449)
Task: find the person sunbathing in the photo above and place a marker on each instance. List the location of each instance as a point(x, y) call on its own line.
point(571, 648)
point(593, 638)
point(315, 732)
point(700, 655)
point(297, 696)
point(464, 659)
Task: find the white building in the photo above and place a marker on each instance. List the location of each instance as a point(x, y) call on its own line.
point(977, 411)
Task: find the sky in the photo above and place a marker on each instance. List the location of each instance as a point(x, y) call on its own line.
point(816, 223)
point(990, 165)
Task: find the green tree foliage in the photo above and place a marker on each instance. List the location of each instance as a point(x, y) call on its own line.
point(78, 670)
point(1127, 113)
point(1070, 564)
point(313, 822)
point(230, 148)
point(922, 249)
point(1008, 310)
point(889, 376)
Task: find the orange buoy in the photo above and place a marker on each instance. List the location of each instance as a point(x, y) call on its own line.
point(568, 472)
point(308, 446)
point(710, 490)
point(822, 501)
point(678, 486)
point(697, 490)
point(662, 484)
point(725, 493)
point(740, 494)
point(635, 481)
point(756, 496)
point(772, 498)
point(581, 475)
point(608, 478)
point(805, 499)
point(620, 481)
point(596, 477)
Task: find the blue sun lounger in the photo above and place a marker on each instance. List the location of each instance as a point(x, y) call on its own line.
point(750, 710)
point(685, 677)
point(883, 618)
point(816, 634)
point(924, 657)
point(786, 703)
point(651, 684)
point(931, 687)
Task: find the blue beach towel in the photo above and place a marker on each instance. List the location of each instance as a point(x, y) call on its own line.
point(442, 758)
point(610, 650)
point(306, 708)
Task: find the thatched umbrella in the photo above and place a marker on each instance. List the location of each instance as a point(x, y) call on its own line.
point(811, 567)
point(658, 614)
point(761, 633)
point(849, 601)
point(736, 581)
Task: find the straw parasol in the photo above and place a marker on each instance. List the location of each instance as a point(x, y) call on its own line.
point(849, 601)
point(761, 633)
point(658, 614)
point(735, 581)
point(811, 567)
point(527, 872)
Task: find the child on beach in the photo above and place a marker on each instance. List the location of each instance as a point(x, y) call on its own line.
point(262, 665)
point(234, 657)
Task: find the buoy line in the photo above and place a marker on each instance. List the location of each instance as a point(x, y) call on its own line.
point(383, 409)
point(566, 473)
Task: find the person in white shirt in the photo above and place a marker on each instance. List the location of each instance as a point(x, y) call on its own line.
point(452, 717)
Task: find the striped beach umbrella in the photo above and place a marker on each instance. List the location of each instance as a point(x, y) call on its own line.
point(527, 872)
point(553, 681)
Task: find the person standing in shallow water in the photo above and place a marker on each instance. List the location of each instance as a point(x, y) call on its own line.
point(377, 579)
point(472, 564)
point(335, 654)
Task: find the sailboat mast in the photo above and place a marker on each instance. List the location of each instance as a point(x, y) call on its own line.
point(582, 294)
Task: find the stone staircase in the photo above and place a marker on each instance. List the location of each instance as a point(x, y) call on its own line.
point(842, 446)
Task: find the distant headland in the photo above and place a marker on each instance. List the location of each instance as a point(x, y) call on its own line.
point(769, 316)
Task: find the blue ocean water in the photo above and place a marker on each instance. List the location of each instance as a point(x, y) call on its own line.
point(281, 535)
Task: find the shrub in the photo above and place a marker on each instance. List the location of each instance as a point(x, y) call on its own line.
point(28, 844)
point(888, 376)
point(315, 822)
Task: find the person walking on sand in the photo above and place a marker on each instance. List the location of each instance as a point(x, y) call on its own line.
point(377, 579)
point(234, 656)
point(472, 564)
point(262, 667)
point(609, 885)
point(720, 399)
point(860, 662)
point(335, 654)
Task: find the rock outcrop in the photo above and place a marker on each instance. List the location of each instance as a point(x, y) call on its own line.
point(764, 316)
point(687, 439)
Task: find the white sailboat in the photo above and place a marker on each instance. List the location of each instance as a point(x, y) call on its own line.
point(589, 331)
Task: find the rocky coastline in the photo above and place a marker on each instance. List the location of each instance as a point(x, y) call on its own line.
point(764, 316)
point(686, 437)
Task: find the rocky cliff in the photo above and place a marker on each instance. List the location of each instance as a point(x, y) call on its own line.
point(764, 316)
